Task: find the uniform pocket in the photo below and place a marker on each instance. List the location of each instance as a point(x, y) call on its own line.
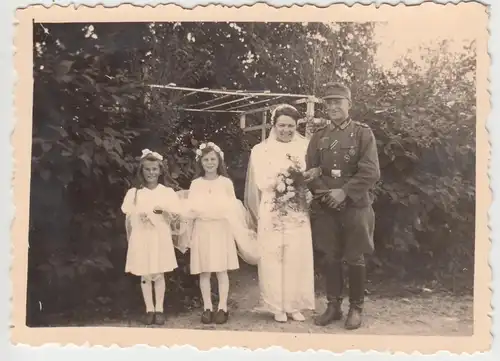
point(324, 143)
point(349, 153)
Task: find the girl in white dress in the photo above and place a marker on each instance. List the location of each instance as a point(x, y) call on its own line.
point(149, 208)
point(213, 248)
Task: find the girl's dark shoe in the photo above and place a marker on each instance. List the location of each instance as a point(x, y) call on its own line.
point(149, 318)
point(206, 317)
point(221, 317)
point(159, 318)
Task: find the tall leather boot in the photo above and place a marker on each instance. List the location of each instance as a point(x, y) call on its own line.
point(334, 287)
point(357, 276)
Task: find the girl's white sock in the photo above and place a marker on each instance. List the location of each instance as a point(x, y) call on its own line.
point(147, 293)
point(159, 281)
point(223, 279)
point(206, 291)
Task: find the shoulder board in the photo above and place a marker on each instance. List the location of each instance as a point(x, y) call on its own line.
point(318, 128)
point(364, 125)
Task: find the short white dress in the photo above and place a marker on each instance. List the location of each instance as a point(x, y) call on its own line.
point(150, 246)
point(213, 247)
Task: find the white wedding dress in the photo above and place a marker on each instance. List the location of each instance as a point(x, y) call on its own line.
point(285, 267)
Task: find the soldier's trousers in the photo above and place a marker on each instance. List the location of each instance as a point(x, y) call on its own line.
point(344, 235)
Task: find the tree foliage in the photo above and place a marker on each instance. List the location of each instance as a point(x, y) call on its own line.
point(425, 126)
point(93, 112)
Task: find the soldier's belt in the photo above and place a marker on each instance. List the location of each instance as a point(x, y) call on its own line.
point(335, 173)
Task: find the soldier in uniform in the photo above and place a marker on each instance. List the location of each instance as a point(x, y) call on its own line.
point(343, 167)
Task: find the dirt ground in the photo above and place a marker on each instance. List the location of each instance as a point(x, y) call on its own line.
point(424, 314)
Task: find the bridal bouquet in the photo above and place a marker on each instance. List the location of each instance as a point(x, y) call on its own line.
point(290, 192)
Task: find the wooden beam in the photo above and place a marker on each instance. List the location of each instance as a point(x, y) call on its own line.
point(184, 96)
point(208, 111)
point(308, 99)
point(211, 100)
point(237, 92)
point(270, 107)
point(255, 103)
point(257, 127)
point(229, 102)
point(258, 110)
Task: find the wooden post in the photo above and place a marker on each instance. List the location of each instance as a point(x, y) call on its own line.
point(309, 117)
point(264, 124)
point(243, 121)
point(310, 109)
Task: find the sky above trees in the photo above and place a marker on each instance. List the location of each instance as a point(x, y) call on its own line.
point(396, 39)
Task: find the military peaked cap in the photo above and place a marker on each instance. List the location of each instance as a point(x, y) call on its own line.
point(336, 90)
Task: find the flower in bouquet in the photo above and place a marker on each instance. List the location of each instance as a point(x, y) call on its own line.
point(281, 187)
point(290, 189)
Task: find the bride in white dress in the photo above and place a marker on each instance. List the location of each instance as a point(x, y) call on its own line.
point(285, 267)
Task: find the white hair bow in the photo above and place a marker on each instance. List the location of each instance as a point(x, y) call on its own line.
point(146, 152)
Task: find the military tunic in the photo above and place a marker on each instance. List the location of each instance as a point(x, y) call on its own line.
point(347, 156)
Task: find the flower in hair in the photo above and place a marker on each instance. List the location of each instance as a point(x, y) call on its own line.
point(211, 145)
point(147, 152)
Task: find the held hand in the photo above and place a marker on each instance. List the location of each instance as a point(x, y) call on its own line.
point(311, 174)
point(334, 197)
point(309, 197)
point(171, 217)
point(328, 200)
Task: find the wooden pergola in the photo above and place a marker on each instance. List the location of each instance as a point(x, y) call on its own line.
point(242, 104)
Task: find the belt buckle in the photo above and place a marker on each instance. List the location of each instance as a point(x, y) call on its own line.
point(336, 173)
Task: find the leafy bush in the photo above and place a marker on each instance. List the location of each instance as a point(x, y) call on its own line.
point(425, 129)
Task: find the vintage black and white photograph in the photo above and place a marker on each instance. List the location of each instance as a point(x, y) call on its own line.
point(302, 177)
